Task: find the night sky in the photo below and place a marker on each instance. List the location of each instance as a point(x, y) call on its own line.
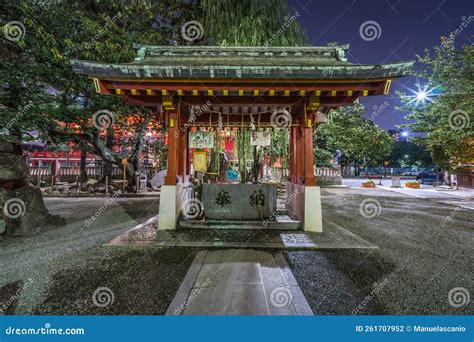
point(407, 27)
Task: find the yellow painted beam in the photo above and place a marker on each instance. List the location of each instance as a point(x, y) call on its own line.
point(180, 92)
point(271, 93)
point(256, 92)
point(365, 93)
point(225, 92)
point(387, 87)
point(149, 92)
point(195, 93)
point(318, 92)
point(314, 103)
point(349, 93)
point(302, 92)
point(118, 91)
point(97, 85)
point(241, 92)
point(210, 92)
point(133, 92)
point(168, 102)
point(287, 93)
point(333, 92)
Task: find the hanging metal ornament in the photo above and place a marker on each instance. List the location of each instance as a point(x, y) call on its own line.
point(192, 115)
point(252, 123)
point(219, 122)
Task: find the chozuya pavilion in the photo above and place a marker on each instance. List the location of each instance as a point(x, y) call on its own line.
point(258, 87)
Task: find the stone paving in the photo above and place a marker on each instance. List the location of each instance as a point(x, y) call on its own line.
point(239, 282)
point(334, 236)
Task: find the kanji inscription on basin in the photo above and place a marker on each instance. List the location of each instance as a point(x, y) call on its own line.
point(239, 201)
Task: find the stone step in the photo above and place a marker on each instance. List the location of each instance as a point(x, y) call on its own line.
point(282, 222)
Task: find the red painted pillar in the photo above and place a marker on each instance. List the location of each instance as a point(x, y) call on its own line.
point(308, 171)
point(300, 150)
point(182, 149)
point(173, 141)
point(292, 156)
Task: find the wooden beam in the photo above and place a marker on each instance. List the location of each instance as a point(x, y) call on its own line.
point(173, 135)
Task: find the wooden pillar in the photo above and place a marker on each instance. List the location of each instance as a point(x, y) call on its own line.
point(173, 142)
point(181, 155)
point(308, 171)
point(292, 156)
point(300, 150)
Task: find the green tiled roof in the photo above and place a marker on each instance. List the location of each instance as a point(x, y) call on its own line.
point(318, 62)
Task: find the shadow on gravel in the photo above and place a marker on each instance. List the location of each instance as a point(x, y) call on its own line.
point(9, 295)
point(124, 282)
point(145, 210)
point(340, 282)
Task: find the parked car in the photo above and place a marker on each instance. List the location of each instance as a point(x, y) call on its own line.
point(428, 176)
point(409, 173)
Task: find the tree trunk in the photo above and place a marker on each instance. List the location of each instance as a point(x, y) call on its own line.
point(255, 166)
point(83, 171)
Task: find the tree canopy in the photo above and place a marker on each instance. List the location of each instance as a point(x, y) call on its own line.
point(41, 93)
point(357, 138)
point(444, 111)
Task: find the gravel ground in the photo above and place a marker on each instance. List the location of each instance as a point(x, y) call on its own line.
point(35, 269)
point(422, 257)
point(126, 282)
point(420, 260)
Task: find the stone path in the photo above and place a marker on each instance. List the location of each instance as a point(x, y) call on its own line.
point(239, 282)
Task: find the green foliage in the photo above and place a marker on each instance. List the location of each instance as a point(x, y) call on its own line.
point(244, 152)
point(410, 154)
point(359, 139)
point(251, 23)
point(447, 117)
point(279, 147)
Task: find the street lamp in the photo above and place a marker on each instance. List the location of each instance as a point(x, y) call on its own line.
point(423, 94)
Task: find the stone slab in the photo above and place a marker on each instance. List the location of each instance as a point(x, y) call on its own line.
point(239, 282)
point(239, 201)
